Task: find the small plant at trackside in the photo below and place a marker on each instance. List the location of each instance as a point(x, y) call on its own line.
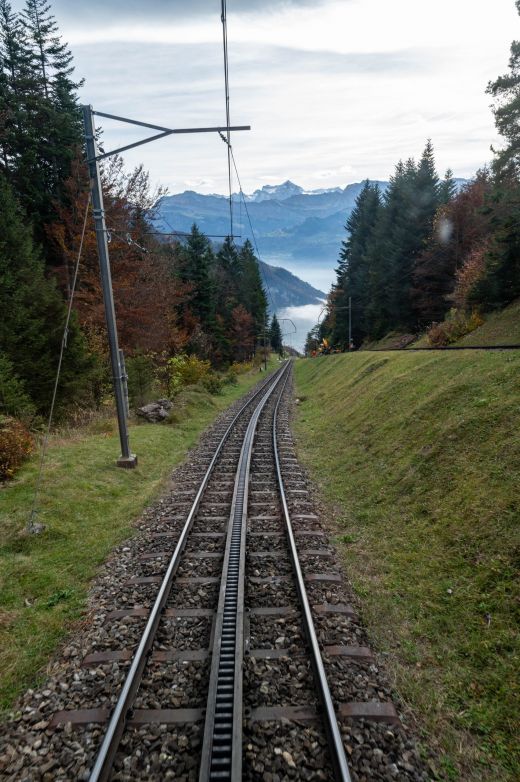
point(213, 383)
point(347, 538)
point(16, 445)
point(241, 367)
point(230, 379)
point(184, 370)
point(59, 597)
point(456, 325)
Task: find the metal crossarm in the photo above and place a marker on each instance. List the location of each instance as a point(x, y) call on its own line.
point(164, 132)
point(94, 156)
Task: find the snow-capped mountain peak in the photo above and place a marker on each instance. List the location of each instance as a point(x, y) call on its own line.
point(278, 192)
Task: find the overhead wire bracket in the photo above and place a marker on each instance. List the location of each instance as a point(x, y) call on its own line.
point(164, 132)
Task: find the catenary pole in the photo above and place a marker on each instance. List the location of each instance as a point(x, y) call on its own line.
point(127, 459)
point(94, 155)
point(265, 341)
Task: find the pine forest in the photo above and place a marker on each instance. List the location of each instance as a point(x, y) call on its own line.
point(175, 296)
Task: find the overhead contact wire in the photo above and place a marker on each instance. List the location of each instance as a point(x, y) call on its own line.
point(43, 451)
point(228, 122)
point(255, 243)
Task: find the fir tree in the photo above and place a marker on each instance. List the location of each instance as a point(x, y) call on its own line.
point(426, 186)
point(419, 191)
point(312, 341)
point(226, 282)
point(52, 57)
point(506, 93)
point(242, 333)
point(14, 399)
point(353, 271)
point(275, 335)
point(17, 88)
point(383, 254)
point(33, 315)
point(500, 283)
point(196, 266)
point(38, 110)
point(252, 293)
point(447, 188)
point(385, 239)
point(227, 257)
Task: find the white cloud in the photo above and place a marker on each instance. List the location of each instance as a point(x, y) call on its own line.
point(195, 184)
point(335, 92)
point(344, 27)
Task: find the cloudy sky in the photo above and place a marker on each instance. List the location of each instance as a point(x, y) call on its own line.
point(334, 91)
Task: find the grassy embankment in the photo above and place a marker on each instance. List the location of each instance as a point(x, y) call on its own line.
point(418, 456)
point(499, 328)
point(88, 506)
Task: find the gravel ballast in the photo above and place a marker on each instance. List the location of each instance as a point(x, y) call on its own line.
point(32, 749)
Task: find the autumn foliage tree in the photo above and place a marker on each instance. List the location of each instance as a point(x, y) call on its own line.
point(146, 292)
point(468, 275)
point(171, 295)
point(242, 333)
point(460, 230)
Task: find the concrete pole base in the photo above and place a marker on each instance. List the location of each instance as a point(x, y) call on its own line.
point(129, 462)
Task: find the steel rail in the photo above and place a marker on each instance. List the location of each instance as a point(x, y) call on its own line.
point(118, 719)
point(222, 741)
point(337, 750)
point(446, 348)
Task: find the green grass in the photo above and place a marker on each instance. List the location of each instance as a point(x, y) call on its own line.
point(422, 342)
point(418, 456)
point(88, 506)
point(391, 341)
point(499, 328)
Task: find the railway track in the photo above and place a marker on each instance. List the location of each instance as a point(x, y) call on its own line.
point(228, 652)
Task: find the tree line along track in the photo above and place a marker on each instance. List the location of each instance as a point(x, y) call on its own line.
point(269, 686)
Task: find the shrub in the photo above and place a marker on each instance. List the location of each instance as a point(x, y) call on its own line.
point(230, 379)
point(241, 367)
point(456, 326)
point(13, 398)
point(469, 275)
point(213, 383)
point(185, 371)
point(16, 445)
point(259, 359)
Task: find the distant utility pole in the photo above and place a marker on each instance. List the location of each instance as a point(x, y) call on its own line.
point(127, 458)
point(265, 341)
point(350, 323)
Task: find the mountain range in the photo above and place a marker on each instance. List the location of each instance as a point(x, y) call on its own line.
point(296, 229)
point(291, 225)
